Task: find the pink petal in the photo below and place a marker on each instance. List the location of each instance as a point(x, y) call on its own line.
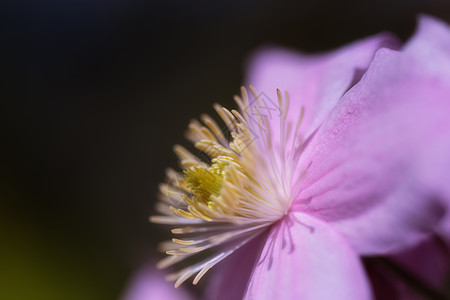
point(314, 81)
point(305, 258)
point(230, 278)
point(379, 166)
point(429, 261)
point(431, 45)
point(149, 284)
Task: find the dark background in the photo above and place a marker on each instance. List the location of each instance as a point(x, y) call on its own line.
point(95, 93)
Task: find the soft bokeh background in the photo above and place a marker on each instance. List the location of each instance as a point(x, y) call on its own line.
point(95, 94)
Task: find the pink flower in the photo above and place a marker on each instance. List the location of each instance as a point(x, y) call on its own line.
point(355, 163)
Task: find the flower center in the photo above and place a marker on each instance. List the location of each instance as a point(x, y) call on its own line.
point(246, 187)
point(206, 182)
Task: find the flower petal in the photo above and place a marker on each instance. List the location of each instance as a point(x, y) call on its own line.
point(379, 167)
point(426, 267)
point(149, 284)
point(431, 44)
point(305, 258)
point(315, 82)
point(231, 276)
point(429, 261)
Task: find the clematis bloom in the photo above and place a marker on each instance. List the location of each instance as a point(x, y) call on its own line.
point(351, 161)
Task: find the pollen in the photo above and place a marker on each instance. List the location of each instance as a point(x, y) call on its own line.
point(205, 182)
point(244, 188)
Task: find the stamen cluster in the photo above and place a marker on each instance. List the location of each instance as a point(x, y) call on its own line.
point(223, 204)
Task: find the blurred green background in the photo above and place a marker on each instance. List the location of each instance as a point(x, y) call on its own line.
point(95, 94)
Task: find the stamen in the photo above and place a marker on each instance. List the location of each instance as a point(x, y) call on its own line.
point(244, 189)
point(212, 125)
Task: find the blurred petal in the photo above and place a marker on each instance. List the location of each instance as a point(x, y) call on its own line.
point(443, 228)
point(379, 166)
point(431, 45)
point(149, 284)
point(429, 261)
point(386, 284)
point(230, 278)
point(305, 258)
point(316, 82)
point(426, 265)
